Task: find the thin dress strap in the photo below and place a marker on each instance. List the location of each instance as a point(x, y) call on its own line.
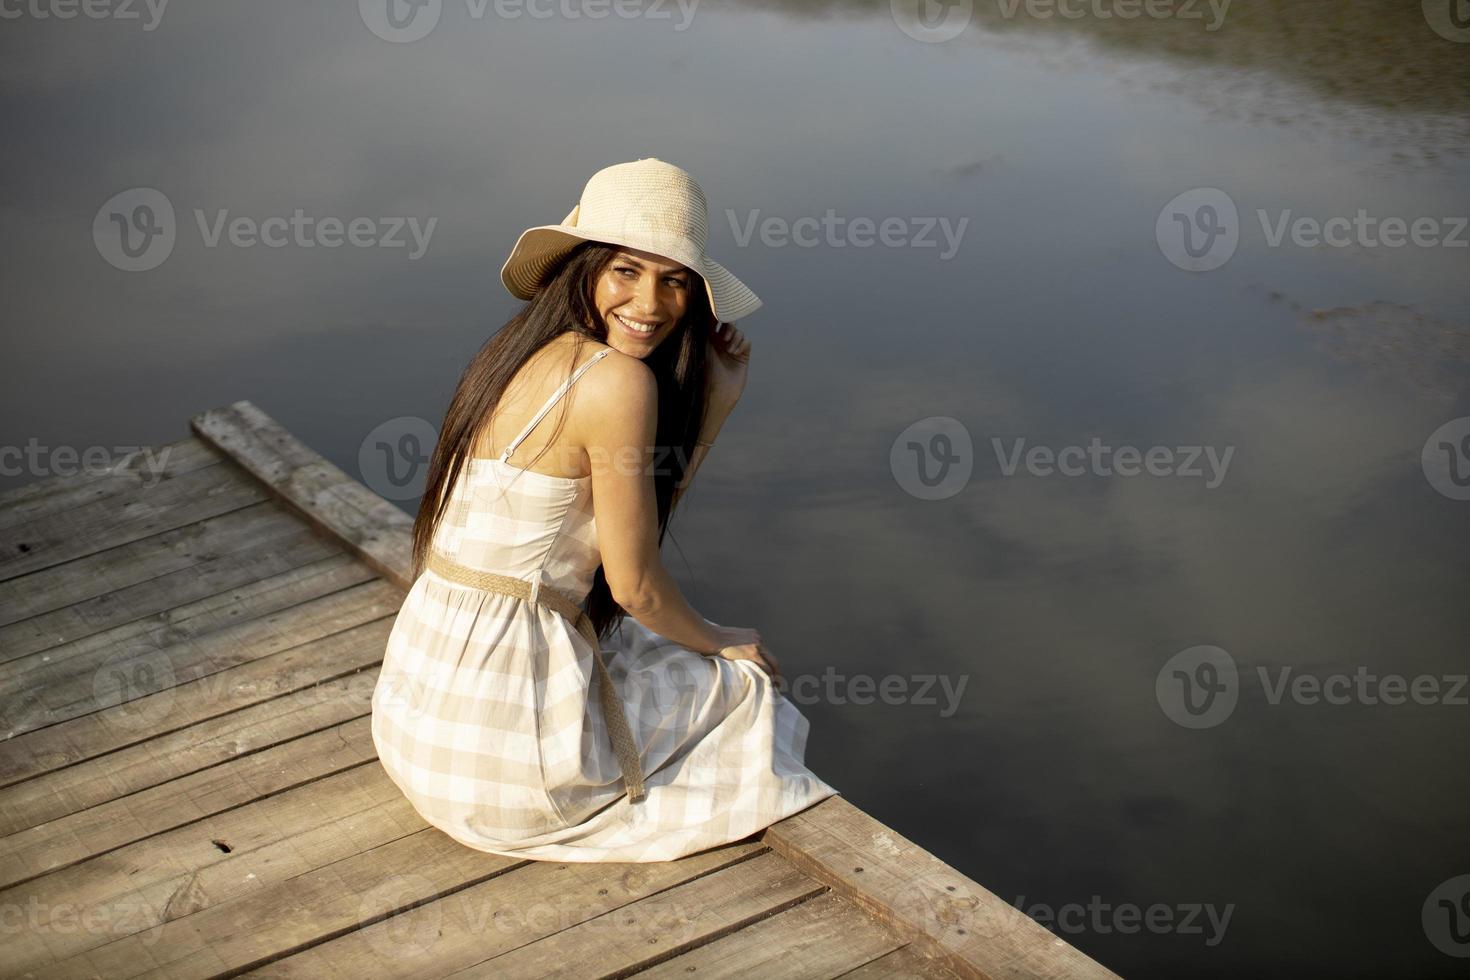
point(567, 384)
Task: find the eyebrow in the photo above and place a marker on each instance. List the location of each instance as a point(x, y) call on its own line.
point(625, 257)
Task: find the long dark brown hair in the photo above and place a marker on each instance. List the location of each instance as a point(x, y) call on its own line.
point(565, 304)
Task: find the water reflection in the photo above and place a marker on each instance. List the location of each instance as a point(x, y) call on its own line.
point(1366, 69)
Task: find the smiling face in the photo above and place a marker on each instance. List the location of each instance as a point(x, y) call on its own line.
point(641, 297)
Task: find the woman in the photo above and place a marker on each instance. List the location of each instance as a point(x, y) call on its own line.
point(495, 711)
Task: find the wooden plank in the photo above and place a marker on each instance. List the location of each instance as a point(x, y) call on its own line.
point(137, 561)
point(663, 925)
point(171, 599)
point(944, 913)
point(146, 692)
point(84, 682)
point(222, 857)
point(902, 962)
point(122, 474)
point(188, 750)
point(36, 850)
point(138, 626)
point(120, 725)
point(378, 532)
point(142, 512)
point(293, 914)
point(388, 915)
point(824, 937)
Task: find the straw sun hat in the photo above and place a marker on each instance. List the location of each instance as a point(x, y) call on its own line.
point(647, 204)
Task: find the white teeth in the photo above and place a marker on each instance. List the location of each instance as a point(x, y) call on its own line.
point(635, 327)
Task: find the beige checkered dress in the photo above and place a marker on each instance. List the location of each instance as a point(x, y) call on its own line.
point(486, 712)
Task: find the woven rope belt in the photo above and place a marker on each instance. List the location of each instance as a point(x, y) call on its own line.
point(558, 601)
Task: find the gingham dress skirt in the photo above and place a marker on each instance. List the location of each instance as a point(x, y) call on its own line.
point(486, 713)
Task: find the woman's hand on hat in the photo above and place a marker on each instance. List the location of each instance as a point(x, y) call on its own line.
point(729, 365)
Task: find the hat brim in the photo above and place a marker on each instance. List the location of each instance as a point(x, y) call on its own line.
point(540, 248)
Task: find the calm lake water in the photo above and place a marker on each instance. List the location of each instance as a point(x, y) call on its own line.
point(1282, 818)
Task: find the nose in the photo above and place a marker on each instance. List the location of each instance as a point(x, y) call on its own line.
point(645, 295)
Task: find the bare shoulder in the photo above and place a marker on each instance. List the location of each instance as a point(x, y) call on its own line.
point(621, 393)
point(620, 377)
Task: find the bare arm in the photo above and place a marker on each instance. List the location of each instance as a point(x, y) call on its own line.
point(621, 425)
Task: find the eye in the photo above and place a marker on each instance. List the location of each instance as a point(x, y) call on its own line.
point(677, 281)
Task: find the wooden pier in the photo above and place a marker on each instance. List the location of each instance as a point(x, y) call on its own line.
point(189, 788)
